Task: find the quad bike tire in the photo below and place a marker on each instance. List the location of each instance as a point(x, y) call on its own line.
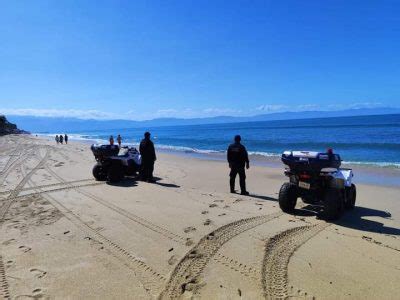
point(288, 197)
point(115, 172)
point(131, 170)
point(308, 199)
point(333, 204)
point(99, 172)
point(351, 195)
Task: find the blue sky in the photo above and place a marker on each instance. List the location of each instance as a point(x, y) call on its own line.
point(146, 59)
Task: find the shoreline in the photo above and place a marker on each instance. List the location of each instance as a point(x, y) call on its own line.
point(364, 173)
point(371, 175)
point(61, 228)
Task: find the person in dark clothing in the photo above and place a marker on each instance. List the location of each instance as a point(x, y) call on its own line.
point(148, 154)
point(66, 138)
point(61, 138)
point(57, 139)
point(238, 159)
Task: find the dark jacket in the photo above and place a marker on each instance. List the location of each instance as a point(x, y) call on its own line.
point(147, 150)
point(237, 155)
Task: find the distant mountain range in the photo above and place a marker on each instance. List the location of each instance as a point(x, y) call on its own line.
point(51, 125)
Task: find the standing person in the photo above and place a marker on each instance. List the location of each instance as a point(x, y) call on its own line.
point(148, 154)
point(238, 159)
point(119, 140)
point(111, 139)
point(66, 138)
point(61, 138)
point(57, 139)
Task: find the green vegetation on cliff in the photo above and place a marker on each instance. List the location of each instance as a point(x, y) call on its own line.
point(8, 128)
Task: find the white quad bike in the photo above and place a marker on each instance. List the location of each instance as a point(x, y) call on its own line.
point(317, 178)
point(114, 163)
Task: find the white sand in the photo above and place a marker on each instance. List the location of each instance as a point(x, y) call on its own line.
point(64, 235)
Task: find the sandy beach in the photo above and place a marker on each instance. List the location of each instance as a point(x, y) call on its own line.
point(65, 235)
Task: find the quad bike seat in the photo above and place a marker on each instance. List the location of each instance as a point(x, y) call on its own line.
point(310, 161)
point(127, 151)
point(104, 150)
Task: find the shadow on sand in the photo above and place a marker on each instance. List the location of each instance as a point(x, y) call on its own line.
point(168, 185)
point(265, 198)
point(354, 219)
point(132, 181)
point(126, 182)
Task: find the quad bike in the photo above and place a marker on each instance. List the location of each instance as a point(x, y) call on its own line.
point(317, 178)
point(112, 165)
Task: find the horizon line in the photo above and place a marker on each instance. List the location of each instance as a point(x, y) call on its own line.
point(93, 118)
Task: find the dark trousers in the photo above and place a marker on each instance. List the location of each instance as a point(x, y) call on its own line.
point(147, 170)
point(242, 178)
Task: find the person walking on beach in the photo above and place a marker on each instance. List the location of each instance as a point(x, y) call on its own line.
point(61, 138)
point(111, 139)
point(57, 139)
point(238, 159)
point(148, 154)
point(66, 138)
point(119, 140)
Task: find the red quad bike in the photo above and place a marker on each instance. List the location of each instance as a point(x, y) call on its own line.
point(317, 178)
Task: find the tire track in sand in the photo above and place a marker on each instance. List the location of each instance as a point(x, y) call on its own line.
point(237, 266)
point(4, 292)
point(186, 275)
point(57, 189)
point(151, 280)
point(278, 251)
point(48, 185)
point(12, 164)
point(12, 158)
point(14, 193)
point(137, 219)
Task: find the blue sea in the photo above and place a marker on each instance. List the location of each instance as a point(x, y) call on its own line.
point(371, 140)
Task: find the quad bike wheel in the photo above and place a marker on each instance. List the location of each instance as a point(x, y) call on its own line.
point(131, 170)
point(115, 172)
point(333, 204)
point(351, 195)
point(288, 197)
point(308, 199)
point(99, 172)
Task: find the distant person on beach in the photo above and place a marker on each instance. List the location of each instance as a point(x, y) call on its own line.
point(148, 154)
point(238, 159)
point(66, 138)
point(111, 140)
point(61, 138)
point(119, 140)
point(57, 139)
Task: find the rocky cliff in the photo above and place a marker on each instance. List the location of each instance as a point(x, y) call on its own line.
point(8, 128)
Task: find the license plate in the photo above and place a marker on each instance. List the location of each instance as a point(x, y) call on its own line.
point(304, 185)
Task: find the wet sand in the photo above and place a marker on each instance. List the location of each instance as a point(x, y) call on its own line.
point(64, 235)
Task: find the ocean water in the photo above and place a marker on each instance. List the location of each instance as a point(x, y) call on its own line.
point(367, 140)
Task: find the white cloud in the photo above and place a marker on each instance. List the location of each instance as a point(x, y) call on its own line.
point(213, 111)
point(308, 107)
point(64, 113)
point(183, 113)
point(272, 107)
point(366, 105)
point(356, 105)
point(192, 113)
